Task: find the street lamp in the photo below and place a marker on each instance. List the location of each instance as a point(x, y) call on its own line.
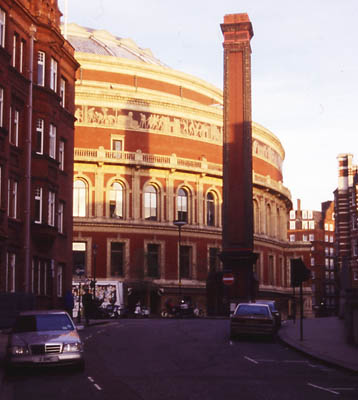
point(94, 248)
point(179, 223)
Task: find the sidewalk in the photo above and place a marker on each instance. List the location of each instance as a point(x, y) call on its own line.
point(323, 339)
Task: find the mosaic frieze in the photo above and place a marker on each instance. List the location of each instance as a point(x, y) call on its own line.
point(133, 120)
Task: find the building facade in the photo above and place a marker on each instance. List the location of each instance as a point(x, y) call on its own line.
point(148, 152)
point(37, 76)
point(318, 229)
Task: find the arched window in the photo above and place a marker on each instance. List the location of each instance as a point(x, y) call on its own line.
point(116, 201)
point(182, 205)
point(210, 209)
point(256, 217)
point(150, 203)
point(79, 198)
point(268, 220)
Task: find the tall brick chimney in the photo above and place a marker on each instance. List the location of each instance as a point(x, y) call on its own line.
point(237, 255)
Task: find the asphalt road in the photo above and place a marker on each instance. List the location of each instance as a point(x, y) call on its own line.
point(149, 359)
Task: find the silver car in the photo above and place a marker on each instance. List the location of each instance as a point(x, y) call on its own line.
point(44, 338)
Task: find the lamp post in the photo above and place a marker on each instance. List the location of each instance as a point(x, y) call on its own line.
point(94, 248)
point(179, 223)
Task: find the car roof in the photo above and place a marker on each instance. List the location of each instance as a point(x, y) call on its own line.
point(42, 312)
point(265, 301)
point(252, 304)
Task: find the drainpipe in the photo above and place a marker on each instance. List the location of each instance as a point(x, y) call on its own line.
point(28, 150)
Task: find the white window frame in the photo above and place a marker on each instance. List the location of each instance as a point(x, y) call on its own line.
point(292, 214)
point(38, 199)
point(311, 224)
point(79, 198)
point(63, 92)
point(53, 78)
point(304, 224)
point(14, 127)
point(304, 214)
point(2, 27)
point(311, 237)
point(12, 198)
point(292, 224)
point(14, 45)
point(52, 142)
point(51, 208)
point(61, 155)
point(60, 215)
point(292, 238)
point(41, 67)
point(116, 198)
point(21, 65)
point(59, 280)
point(40, 128)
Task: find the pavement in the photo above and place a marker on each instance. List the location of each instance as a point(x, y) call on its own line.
point(322, 339)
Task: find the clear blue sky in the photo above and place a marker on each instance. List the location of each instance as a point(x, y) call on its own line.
point(304, 69)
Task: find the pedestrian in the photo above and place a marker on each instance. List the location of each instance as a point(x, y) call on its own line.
point(87, 305)
point(69, 302)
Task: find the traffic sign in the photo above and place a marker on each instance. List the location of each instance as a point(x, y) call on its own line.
point(228, 279)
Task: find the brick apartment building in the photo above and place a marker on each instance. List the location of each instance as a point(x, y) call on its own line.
point(317, 228)
point(37, 76)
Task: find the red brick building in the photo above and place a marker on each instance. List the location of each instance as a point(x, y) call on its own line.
point(37, 75)
point(148, 152)
point(318, 229)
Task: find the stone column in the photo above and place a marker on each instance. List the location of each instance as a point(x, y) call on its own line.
point(237, 255)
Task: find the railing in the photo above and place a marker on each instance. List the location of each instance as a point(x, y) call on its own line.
point(138, 158)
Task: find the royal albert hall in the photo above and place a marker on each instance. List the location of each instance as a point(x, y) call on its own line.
point(148, 153)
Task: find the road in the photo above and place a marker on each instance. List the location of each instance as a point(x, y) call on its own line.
point(153, 359)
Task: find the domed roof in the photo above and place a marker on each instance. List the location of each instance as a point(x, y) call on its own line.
point(101, 42)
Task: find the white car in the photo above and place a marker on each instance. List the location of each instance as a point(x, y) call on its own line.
point(44, 338)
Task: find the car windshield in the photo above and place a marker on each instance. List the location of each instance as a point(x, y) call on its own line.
point(37, 323)
point(252, 310)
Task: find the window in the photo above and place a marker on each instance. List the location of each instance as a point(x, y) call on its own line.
point(1, 106)
point(117, 145)
point(271, 272)
point(305, 238)
point(304, 224)
point(326, 239)
point(116, 201)
point(182, 205)
point(313, 276)
point(311, 236)
point(38, 205)
point(14, 127)
point(63, 85)
point(2, 27)
point(326, 251)
point(292, 238)
point(304, 214)
point(292, 224)
point(331, 227)
point(10, 272)
point(312, 261)
point(79, 198)
point(213, 259)
point(39, 142)
point(185, 262)
point(331, 263)
point(14, 45)
point(52, 142)
point(331, 239)
point(153, 260)
point(331, 251)
point(51, 208)
point(78, 257)
point(292, 214)
point(12, 198)
point(21, 63)
point(61, 155)
point(355, 274)
point(150, 203)
point(60, 215)
point(311, 224)
point(326, 262)
point(309, 214)
point(326, 227)
point(60, 269)
point(117, 259)
point(53, 77)
point(210, 209)
point(41, 68)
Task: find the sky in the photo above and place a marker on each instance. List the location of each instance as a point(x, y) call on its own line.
point(304, 69)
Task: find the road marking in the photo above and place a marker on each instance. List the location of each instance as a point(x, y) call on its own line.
point(97, 386)
point(322, 388)
point(251, 360)
point(90, 379)
point(230, 343)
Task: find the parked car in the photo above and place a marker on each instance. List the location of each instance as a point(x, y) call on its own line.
point(274, 311)
point(44, 338)
point(252, 319)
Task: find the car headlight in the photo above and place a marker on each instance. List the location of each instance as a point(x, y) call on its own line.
point(18, 350)
point(77, 346)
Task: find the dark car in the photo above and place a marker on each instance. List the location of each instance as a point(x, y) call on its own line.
point(252, 319)
point(275, 312)
point(44, 338)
